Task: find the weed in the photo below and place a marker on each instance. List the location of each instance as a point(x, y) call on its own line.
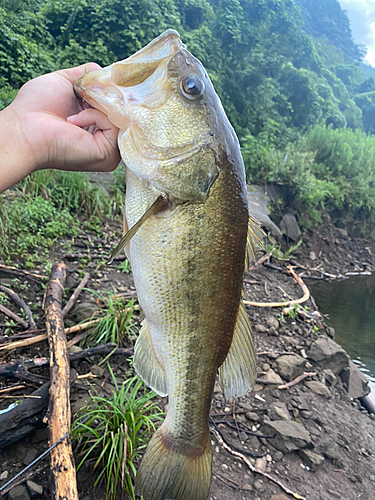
point(277, 252)
point(116, 323)
point(124, 267)
point(113, 432)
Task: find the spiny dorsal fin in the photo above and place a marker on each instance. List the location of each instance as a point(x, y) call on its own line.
point(146, 363)
point(255, 234)
point(237, 373)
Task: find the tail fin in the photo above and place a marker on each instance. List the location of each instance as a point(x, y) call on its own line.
point(167, 474)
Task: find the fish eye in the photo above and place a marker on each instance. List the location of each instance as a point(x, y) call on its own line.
point(192, 87)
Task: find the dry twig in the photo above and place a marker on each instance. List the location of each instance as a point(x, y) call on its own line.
point(13, 271)
point(252, 468)
point(13, 316)
point(20, 303)
point(297, 380)
point(75, 295)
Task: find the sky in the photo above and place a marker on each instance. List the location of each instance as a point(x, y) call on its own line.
point(361, 14)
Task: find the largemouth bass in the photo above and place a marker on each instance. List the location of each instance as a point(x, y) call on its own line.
point(187, 218)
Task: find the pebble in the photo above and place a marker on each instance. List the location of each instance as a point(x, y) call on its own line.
point(30, 456)
point(271, 321)
point(260, 329)
point(243, 436)
point(36, 490)
point(372, 416)
point(258, 485)
point(265, 367)
point(260, 464)
point(97, 370)
point(18, 493)
point(272, 331)
point(250, 415)
point(268, 458)
point(224, 467)
point(372, 477)
point(278, 456)
point(4, 475)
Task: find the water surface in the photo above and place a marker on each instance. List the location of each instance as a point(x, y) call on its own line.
point(350, 305)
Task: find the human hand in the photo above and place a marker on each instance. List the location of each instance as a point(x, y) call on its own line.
point(42, 129)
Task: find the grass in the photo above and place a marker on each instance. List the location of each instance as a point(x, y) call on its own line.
point(116, 324)
point(113, 432)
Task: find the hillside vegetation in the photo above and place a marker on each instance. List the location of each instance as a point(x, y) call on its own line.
point(289, 75)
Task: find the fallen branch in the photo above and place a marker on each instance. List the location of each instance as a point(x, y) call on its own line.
point(13, 316)
point(260, 261)
point(306, 295)
point(252, 468)
point(75, 295)
point(44, 336)
point(75, 256)
point(297, 380)
point(13, 271)
point(63, 483)
point(20, 303)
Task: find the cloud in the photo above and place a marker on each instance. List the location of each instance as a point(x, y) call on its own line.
point(361, 14)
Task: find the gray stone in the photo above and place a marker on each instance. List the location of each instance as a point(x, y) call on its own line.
point(85, 310)
point(327, 354)
point(74, 349)
point(261, 464)
point(271, 376)
point(272, 332)
point(272, 321)
point(4, 475)
point(260, 329)
point(290, 367)
point(312, 255)
point(258, 202)
point(289, 227)
point(318, 388)
point(343, 233)
point(329, 377)
point(331, 332)
point(311, 459)
point(97, 370)
point(278, 411)
point(355, 381)
point(259, 485)
point(40, 435)
point(278, 456)
point(265, 367)
point(290, 435)
point(30, 456)
point(19, 493)
point(35, 490)
point(251, 415)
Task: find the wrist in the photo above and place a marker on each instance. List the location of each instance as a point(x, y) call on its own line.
point(15, 153)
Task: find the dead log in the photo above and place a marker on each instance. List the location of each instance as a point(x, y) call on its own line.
point(63, 481)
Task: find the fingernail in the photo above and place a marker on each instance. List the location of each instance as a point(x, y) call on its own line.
point(71, 118)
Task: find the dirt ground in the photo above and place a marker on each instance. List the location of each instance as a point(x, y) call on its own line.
point(340, 432)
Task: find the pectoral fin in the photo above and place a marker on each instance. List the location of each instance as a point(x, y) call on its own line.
point(255, 234)
point(146, 363)
point(156, 207)
point(237, 373)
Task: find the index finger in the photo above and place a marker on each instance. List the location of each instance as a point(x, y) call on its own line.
point(73, 74)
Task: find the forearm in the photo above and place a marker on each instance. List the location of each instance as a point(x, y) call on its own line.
point(15, 160)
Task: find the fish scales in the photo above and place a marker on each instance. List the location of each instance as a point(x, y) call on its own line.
point(187, 215)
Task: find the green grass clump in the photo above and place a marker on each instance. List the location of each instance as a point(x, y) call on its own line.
point(113, 432)
point(116, 325)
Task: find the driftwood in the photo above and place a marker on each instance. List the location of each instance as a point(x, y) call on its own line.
point(13, 316)
point(20, 303)
point(306, 295)
point(297, 380)
point(75, 295)
point(63, 480)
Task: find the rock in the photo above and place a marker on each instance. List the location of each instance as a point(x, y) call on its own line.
point(356, 383)
point(329, 377)
point(259, 485)
point(272, 332)
point(289, 227)
point(327, 354)
point(30, 456)
point(278, 411)
point(254, 442)
point(97, 370)
point(4, 475)
point(312, 255)
point(84, 310)
point(318, 388)
point(306, 414)
point(289, 340)
point(260, 329)
point(290, 435)
point(265, 367)
point(74, 349)
point(271, 376)
point(278, 456)
point(251, 415)
point(35, 490)
point(261, 464)
point(244, 437)
point(71, 282)
point(40, 435)
point(290, 367)
point(19, 493)
point(271, 321)
point(331, 332)
point(258, 201)
point(343, 233)
point(311, 459)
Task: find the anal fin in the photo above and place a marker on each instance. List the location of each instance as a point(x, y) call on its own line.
point(238, 371)
point(146, 363)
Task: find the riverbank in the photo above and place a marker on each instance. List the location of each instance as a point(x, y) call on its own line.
point(319, 442)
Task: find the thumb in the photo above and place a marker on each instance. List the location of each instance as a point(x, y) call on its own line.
point(91, 116)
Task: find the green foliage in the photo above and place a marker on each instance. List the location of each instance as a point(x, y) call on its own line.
point(116, 324)
point(112, 432)
point(125, 267)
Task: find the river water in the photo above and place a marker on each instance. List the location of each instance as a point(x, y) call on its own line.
point(350, 305)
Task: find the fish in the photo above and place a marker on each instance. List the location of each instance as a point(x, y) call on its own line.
point(188, 233)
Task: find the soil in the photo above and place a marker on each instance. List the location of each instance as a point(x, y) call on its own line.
point(342, 431)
